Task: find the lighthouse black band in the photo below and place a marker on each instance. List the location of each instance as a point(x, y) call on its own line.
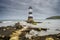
point(30, 12)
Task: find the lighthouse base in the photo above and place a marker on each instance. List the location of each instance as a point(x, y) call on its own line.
point(31, 21)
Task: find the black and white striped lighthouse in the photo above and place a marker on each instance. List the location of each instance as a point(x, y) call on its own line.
point(30, 16)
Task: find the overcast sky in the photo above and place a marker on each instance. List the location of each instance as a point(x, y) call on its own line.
point(18, 9)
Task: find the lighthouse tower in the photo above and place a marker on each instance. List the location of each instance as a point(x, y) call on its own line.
point(30, 16)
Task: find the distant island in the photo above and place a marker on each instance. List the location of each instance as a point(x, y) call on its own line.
point(53, 17)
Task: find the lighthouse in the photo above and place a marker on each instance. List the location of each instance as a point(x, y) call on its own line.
point(30, 15)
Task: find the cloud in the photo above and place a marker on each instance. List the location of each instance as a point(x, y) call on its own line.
point(19, 8)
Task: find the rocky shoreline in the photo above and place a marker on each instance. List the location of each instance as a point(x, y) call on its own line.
point(5, 33)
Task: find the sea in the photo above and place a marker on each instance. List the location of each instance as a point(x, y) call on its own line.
point(52, 24)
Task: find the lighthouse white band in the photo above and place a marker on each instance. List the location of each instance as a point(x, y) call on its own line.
point(30, 15)
point(30, 10)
